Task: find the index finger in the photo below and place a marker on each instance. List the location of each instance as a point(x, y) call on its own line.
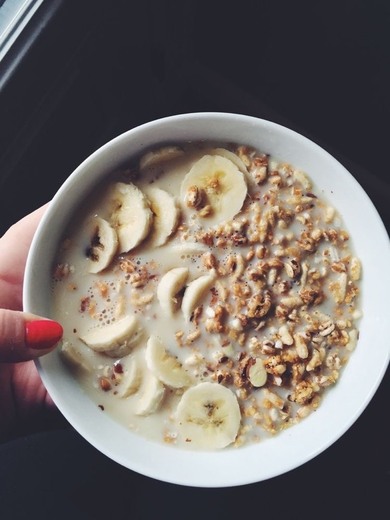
point(14, 247)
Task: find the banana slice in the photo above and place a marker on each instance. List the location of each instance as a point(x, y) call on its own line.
point(163, 154)
point(74, 357)
point(116, 339)
point(152, 394)
point(214, 188)
point(195, 292)
point(170, 285)
point(103, 245)
point(131, 380)
point(166, 215)
point(223, 152)
point(208, 416)
point(238, 162)
point(164, 365)
point(131, 215)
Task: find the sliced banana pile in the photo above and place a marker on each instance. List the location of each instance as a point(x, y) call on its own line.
point(139, 383)
point(173, 291)
point(135, 216)
point(208, 414)
point(150, 377)
point(212, 192)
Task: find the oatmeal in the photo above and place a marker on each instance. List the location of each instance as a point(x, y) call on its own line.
point(209, 297)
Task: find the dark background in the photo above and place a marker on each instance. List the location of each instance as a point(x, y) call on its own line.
point(85, 71)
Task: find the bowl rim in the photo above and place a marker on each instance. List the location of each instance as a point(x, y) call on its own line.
point(56, 212)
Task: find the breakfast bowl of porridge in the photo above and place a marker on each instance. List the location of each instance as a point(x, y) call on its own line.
point(220, 279)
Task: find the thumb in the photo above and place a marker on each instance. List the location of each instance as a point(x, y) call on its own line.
point(25, 336)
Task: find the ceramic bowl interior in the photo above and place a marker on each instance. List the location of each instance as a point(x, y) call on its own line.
point(343, 403)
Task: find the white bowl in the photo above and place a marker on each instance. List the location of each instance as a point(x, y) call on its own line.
point(344, 402)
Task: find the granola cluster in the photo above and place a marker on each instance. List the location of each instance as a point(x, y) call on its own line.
point(286, 297)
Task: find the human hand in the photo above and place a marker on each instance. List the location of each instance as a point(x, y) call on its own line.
point(23, 337)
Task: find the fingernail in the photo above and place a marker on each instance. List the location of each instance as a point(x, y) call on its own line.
point(43, 334)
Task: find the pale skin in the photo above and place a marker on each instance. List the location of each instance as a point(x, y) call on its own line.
point(23, 398)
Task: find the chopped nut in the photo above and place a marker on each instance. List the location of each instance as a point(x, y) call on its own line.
point(303, 393)
point(206, 211)
point(291, 301)
point(292, 268)
point(300, 341)
point(256, 372)
point(127, 266)
point(352, 339)
point(327, 328)
point(209, 260)
point(275, 365)
point(338, 288)
point(355, 269)
point(329, 214)
point(215, 324)
point(285, 335)
point(259, 305)
point(259, 168)
point(302, 179)
point(196, 197)
point(193, 336)
point(62, 271)
point(104, 384)
point(315, 361)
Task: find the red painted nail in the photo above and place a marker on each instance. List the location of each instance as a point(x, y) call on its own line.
point(43, 334)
